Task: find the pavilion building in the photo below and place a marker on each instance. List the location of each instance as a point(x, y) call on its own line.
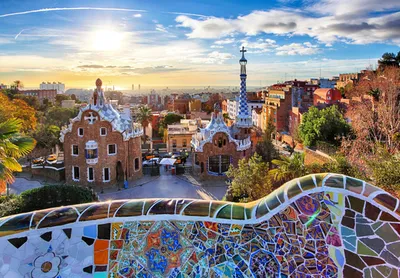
point(217, 146)
point(102, 147)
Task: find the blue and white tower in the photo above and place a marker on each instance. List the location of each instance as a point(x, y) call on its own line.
point(243, 118)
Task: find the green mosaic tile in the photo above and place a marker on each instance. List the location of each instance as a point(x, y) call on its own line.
point(335, 181)
point(307, 182)
point(238, 212)
point(97, 211)
point(132, 208)
point(225, 212)
point(293, 190)
point(197, 208)
point(59, 217)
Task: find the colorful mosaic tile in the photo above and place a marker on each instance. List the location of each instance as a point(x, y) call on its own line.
point(317, 226)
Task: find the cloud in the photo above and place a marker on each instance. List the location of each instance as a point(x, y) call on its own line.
point(259, 46)
point(217, 46)
point(226, 41)
point(70, 9)
point(5, 40)
point(328, 28)
point(214, 57)
point(137, 15)
point(161, 28)
point(297, 49)
point(354, 7)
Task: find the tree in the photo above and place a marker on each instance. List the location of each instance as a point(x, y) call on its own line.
point(265, 148)
point(59, 116)
point(60, 98)
point(375, 118)
point(19, 109)
point(47, 136)
point(12, 147)
point(389, 60)
point(144, 116)
point(251, 180)
point(326, 125)
point(288, 168)
point(170, 119)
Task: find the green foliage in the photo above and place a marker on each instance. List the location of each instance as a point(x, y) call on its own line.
point(326, 125)
point(47, 136)
point(265, 148)
point(59, 116)
point(12, 147)
point(251, 180)
point(385, 170)
point(170, 119)
point(30, 100)
point(288, 168)
point(48, 196)
point(60, 98)
point(389, 59)
point(341, 165)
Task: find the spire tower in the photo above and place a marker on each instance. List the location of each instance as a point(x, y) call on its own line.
point(243, 118)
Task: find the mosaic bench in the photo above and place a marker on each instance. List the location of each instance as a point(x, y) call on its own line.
point(320, 225)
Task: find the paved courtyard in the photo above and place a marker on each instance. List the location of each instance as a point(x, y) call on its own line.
point(163, 186)
point(167, 186)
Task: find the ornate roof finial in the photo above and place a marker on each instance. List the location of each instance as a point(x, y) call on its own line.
point(99, 83)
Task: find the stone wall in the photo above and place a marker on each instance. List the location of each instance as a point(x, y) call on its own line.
point(324, 225)
point(311, 157)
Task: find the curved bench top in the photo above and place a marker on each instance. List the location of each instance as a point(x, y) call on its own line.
point(202, 210)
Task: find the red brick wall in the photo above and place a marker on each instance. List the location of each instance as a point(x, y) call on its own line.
point(127, 151)
point(210, 149)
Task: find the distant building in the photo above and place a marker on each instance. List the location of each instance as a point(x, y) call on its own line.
point(179, 136)
point(180, 105)
point(41, 94)
point(3, 86)
point(278, 104)
point(233, 106)
point(195, 105)
point(325, 96)
point(102, 147)
point(60, 87)
point(68, 103)
point(256, 116)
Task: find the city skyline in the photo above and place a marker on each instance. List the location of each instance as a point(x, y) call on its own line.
point(184, 44)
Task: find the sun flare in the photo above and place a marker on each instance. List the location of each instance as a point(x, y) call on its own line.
point(106, 40)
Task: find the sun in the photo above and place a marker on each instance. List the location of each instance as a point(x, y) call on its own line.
point(106, 40)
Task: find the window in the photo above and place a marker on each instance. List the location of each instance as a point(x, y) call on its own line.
point(106, 174)
point(174, 143)
point(137, 164)
point(112, 149)
point(184, 143)
point(103, 131)
point(75, 173)
point(75, 150)
point(91, 153)
point(219, 164)
point(80, 131)
point(220, 142)
point(90, 176)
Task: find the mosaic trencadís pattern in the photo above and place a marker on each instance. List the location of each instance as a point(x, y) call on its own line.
point(324, 225)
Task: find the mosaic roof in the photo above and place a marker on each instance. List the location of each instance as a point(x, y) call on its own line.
point(217, 124)
point(324, 225)
point(106, 112)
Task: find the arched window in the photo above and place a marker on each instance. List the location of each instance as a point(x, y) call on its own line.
point(220, 142)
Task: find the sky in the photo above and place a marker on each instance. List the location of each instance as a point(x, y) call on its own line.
point(184, 43)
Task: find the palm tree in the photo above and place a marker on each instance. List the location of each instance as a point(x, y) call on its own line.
point(289, 168)
point(144, 116)
point(12, 147)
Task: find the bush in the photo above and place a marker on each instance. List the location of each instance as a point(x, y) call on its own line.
point(48, 196)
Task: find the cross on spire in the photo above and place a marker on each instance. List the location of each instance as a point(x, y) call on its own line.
point(243, 50)
point(91, 119)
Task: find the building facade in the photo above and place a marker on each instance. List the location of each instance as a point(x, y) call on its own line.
point(326, 96)
point(179, 136)
point(41, 95)
point(101, 146)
